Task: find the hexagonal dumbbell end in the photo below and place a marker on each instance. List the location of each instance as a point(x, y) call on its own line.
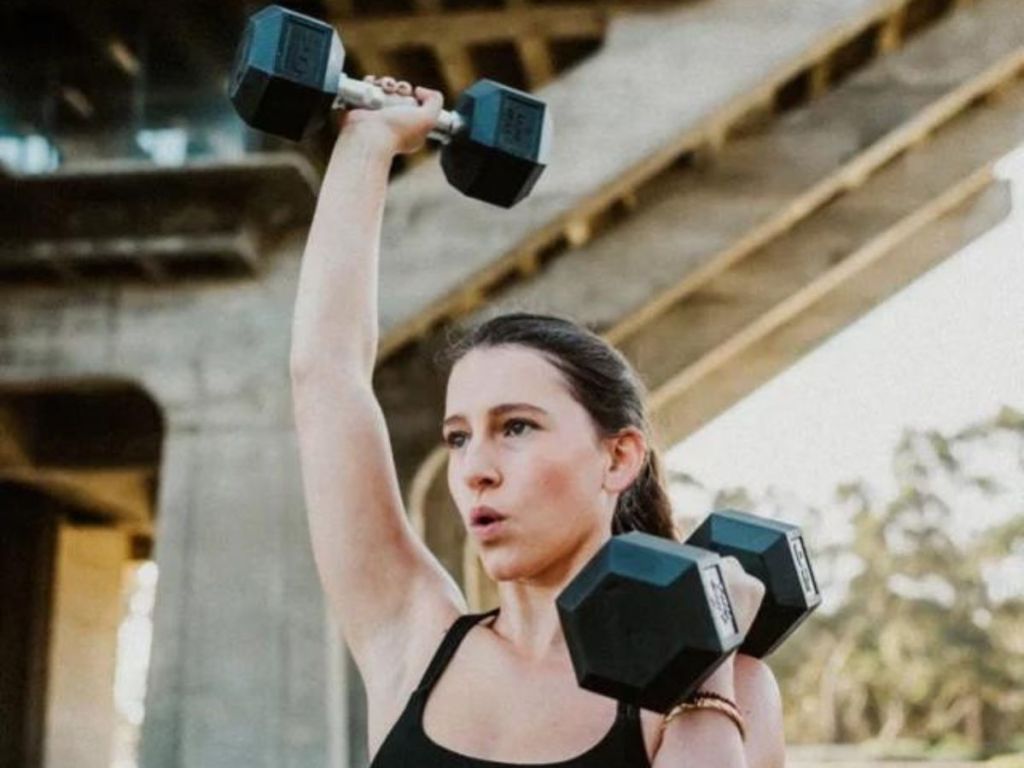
point(647, 620)
point(286, 72)
point(505, 146)
point(773, 552)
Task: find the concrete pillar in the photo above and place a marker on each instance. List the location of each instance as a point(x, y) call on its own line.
point(238, 674)
point(80, 713)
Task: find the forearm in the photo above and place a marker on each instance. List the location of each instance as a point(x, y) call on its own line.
point(703, 739)
point(335, 320)
point(714, 739)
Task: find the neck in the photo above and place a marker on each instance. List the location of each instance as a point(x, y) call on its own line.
point(528, 619)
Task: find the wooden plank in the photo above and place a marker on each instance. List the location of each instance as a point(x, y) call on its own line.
point(437, 243)
point(695, 225)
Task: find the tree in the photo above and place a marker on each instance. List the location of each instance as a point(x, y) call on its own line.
point(922, 632)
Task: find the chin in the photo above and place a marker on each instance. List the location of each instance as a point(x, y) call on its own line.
point(501, 567)
point(502, 564)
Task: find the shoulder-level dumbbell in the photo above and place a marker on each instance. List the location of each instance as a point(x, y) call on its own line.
point(287, 77)
point(647, 620)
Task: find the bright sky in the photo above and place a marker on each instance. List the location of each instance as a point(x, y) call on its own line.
point(946, 351)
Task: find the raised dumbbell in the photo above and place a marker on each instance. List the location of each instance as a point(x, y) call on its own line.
point(647, 620)
point(287, 77)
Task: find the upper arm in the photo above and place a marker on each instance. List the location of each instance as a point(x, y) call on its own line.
point(381, 582)
point(760, 703)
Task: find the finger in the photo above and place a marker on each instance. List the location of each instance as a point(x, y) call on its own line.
point(388, 83)
point(428, 97)
point(404, 88)
point(369, 79)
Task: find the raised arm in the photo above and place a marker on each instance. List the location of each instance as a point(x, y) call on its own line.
point(380, 580)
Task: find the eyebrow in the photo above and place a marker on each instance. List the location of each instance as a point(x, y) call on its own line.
point(498, 410)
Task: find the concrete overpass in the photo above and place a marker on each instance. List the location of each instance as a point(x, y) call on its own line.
point(733, 182)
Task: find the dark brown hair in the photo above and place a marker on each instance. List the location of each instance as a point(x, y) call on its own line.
point(604, 383)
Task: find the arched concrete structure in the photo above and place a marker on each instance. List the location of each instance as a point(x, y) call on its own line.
point(78, 473)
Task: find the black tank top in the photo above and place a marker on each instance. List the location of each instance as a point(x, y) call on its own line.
point(408, 746)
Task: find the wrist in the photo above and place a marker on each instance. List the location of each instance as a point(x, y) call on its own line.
point(723, 680)
point(368, 139)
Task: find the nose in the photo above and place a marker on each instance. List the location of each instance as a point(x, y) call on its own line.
point(479, 467)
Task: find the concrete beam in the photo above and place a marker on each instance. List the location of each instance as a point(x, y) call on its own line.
point(13, 443)
point(824, 273)
point(765, 185)
point(765, 349)
point(439, 248)
point(121, 496)
point(88, 217)
point(692, 226)
point(465, 28)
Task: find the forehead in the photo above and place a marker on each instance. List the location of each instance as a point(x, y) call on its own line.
point(490, 376)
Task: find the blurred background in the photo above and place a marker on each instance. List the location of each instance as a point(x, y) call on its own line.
point(801, 220)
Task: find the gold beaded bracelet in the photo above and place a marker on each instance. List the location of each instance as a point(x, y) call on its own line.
point(709, 700)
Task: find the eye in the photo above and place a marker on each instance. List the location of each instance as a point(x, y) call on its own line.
point(453, 439)
point(514, 426)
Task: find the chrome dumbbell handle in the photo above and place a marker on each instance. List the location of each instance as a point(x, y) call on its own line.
point(364, 95)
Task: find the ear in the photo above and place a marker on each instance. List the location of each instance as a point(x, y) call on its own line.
point(627, 451)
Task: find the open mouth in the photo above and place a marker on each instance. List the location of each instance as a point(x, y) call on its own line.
point(483, 521)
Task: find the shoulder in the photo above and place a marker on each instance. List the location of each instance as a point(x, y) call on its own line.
point(760, 702)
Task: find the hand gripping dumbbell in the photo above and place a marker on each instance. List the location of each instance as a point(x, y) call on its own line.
point(287, 77)
point(648, 620)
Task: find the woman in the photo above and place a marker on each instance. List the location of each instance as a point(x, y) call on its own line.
point(548, 456)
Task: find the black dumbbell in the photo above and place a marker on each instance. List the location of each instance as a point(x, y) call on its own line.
point(774, 553)
point(647, 620)
point(288, 76)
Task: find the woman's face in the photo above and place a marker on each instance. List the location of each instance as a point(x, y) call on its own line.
point(521, 445)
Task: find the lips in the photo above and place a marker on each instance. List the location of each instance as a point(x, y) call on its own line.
point(484, 516)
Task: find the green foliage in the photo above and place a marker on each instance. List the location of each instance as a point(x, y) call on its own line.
point(920, 654)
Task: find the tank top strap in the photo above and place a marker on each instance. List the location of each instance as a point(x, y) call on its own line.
point(628, 713)
point(449, 644)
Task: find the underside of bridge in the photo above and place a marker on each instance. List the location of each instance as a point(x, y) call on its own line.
point(732, 183)
point(716, 205)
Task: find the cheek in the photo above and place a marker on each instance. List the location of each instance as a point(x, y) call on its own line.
point(566, 478)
